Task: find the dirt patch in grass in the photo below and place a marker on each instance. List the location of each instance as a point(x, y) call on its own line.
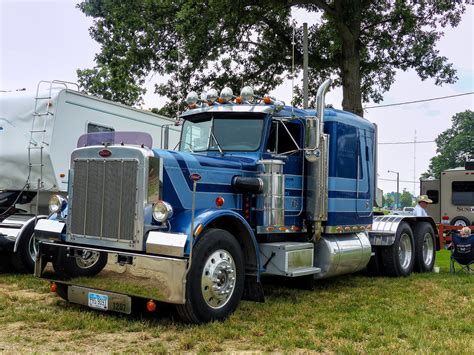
point(21, 337)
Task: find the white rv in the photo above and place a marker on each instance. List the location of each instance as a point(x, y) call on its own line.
point(452, 196)
point(37, 134)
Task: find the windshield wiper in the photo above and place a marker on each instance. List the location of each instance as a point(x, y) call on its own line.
point(217, 142)
point(189, 144)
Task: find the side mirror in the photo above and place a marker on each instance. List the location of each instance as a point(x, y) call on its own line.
point(165, 137)
point(312, 133)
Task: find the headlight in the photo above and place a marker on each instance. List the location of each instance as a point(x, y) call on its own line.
point(162, 211)
point(56, 203)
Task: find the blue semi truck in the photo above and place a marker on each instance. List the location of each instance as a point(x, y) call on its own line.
point(256, 187)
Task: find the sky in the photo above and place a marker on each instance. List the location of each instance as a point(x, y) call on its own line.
point(49, 39)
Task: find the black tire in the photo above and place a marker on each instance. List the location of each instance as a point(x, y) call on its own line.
point(89, 265)
point(460, 221)
point(398, 259)
point(375, 265)
point(425, 247)
point(203, 302)
point(24, 258)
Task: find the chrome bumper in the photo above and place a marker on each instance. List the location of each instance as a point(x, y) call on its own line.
point(137, 275)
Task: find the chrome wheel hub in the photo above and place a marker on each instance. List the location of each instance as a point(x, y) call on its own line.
point(87, 259)
point(218, 279)
point(428, 249)
point(460, 223)
point(404, 251)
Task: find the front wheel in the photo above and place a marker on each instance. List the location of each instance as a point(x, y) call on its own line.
point(215, 282)
point(398, 259)
point(425, 247)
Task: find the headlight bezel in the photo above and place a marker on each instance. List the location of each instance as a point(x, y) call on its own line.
point(162, 211)
point(56, 203)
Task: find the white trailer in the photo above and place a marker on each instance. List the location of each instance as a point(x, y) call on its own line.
point(452, 196)
point(38, 131)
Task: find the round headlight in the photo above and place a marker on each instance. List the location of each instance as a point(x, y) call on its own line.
point(56, 203)
point(162, 211)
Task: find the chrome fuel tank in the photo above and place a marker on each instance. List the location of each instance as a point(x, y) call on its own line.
point(341, 254)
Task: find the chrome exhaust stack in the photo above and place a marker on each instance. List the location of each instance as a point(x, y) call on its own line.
point(320, 103)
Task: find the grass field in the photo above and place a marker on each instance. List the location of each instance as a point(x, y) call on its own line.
point(355, 313)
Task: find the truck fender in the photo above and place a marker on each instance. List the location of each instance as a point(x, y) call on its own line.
point(385, 227)
point(235, 224)
point(25, 226)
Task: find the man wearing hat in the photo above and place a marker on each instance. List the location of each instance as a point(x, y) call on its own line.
point(423, 201)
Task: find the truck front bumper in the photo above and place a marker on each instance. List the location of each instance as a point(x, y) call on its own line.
point(137, 275)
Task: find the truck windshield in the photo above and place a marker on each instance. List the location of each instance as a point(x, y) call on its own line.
point(228, 134)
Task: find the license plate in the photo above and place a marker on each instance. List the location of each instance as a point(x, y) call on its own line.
point(98, 301)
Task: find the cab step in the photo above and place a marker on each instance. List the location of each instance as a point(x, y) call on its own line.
point(288, 259)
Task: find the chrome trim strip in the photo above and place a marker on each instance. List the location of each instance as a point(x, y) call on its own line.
point(347, 229)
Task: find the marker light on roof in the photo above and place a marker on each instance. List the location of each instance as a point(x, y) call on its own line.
point(192, 98)
point(246, 93)
point(227, 94)
point(212, 95)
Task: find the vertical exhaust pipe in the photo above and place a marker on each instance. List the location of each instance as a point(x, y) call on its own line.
point(320, 106)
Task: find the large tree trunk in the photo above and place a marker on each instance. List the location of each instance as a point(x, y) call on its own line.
point(347, 17)
point(350, 71)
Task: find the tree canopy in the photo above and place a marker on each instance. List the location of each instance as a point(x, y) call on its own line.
point(201, 44)
point(454, 146)
point(406, 199)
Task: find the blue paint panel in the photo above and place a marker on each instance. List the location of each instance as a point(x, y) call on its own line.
point(292, 204)
point(349, 194)
point(293, 181)
point(347, 218)
point(293, 193)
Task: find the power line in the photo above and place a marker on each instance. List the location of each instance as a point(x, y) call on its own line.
point(418, 101)
point(414, 142)
point(417, 182)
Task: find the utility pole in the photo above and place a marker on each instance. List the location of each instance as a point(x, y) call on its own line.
point(414, 166)
point(305, 65)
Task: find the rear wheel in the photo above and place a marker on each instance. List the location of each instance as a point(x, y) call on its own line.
point(215, 282)
point(375, 265)
point(398, 259)
point(425, 247)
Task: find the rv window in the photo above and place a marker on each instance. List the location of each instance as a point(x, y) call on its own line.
point(433, 195)
point(463, 193)
point(93, 128)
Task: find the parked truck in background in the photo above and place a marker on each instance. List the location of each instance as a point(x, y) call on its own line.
point(255, 188)
point(38, 132)
point(452, 196)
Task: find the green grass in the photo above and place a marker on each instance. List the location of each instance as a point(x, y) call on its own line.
point(422, 313)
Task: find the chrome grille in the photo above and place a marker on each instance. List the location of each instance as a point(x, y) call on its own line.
point(104, 199)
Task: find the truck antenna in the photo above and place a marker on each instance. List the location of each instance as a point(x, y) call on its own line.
point(179, 84)
point(293, 70)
